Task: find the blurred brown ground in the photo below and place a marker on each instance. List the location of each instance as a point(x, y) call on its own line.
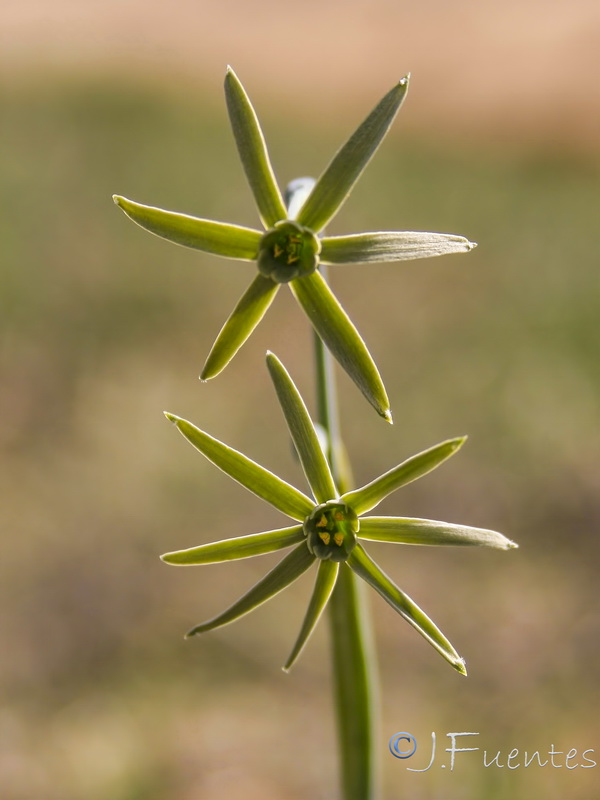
point(508, 71)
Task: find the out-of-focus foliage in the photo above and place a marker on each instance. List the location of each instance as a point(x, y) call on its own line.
point(102, 327)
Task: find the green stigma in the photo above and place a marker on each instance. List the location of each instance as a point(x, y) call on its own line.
point(288, 251)
point(330, 531)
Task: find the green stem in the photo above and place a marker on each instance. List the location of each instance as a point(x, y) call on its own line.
point(355, 683)
point(355, 676)
point(354, 665)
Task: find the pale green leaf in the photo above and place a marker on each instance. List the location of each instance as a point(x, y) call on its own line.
point(407, 530)
point(255, 544)
point(253, 152)
point(326, 578)
point(341, 337)
point(219, 238)
point(390, 246)
point(244, 318)
point(335, 184)
point(302, 431)
point(251, 475)
point(368, 570)
point(369, 496)
point(286, 572)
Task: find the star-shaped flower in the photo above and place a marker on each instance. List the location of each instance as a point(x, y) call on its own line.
point(293, 245)
point(329, 527)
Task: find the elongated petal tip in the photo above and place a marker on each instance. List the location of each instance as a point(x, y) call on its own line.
point(117, 199)
point(460, 666)
point(387, 415)
point(172, 417)
point(170, 558)
point(472, 245)
point(210, 370)
point(510, 545)
point(405, 80)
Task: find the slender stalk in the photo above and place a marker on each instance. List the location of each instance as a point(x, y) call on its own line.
point(355, 678)
point(355, 681)
point(354, 664)
point(327, 407)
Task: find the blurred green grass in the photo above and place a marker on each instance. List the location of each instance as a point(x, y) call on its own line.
point(103, 326)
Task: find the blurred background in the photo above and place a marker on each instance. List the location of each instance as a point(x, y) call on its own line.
point(103, 327)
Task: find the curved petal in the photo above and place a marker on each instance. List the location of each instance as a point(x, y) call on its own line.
point(390, 246)
point(302, 431)
point(286, 572)
point(251, 475)
point(369, 496)
point(407, 530)
point(253, 152)
point(326, 578)
point(244, 318)
point(219, 238)
point(368, 570)
point(341, 337)
point(241, 547)
point(335, 184)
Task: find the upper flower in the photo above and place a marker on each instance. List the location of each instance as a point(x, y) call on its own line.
point(329, 526)
point(292, 246)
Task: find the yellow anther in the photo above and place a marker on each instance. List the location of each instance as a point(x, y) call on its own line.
point(322, 523)
point(277, 251)
point(324, 537)
point(338, 538)
point(292, 259)
point(338, 516)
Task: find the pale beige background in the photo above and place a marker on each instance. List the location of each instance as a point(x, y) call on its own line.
point(516, 69)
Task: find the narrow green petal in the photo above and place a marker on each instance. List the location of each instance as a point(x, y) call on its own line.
point(219, 238)
point(286, 572)
point(302, 431)
point(406, 530)
point(252, 476)
point(241, 547)
point(341, 337)
point(253, 152)
point(326, 578)
point(390, 246)
point(367, 497)
point(335, 184)
point(244, 318)
point(368, 570)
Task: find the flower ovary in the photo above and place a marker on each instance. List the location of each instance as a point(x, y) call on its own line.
point(330, 531)
point(288, 251)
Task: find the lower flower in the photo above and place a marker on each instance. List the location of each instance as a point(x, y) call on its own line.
point(329, 527)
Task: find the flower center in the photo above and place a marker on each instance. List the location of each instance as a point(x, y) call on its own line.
point(331, 530)
point(288, 251)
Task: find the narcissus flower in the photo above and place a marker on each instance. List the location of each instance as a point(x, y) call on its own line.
point(329, 527)
point(293, 245)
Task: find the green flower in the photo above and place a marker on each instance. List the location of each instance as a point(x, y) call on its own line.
point(293, 244)
point(328, 528)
